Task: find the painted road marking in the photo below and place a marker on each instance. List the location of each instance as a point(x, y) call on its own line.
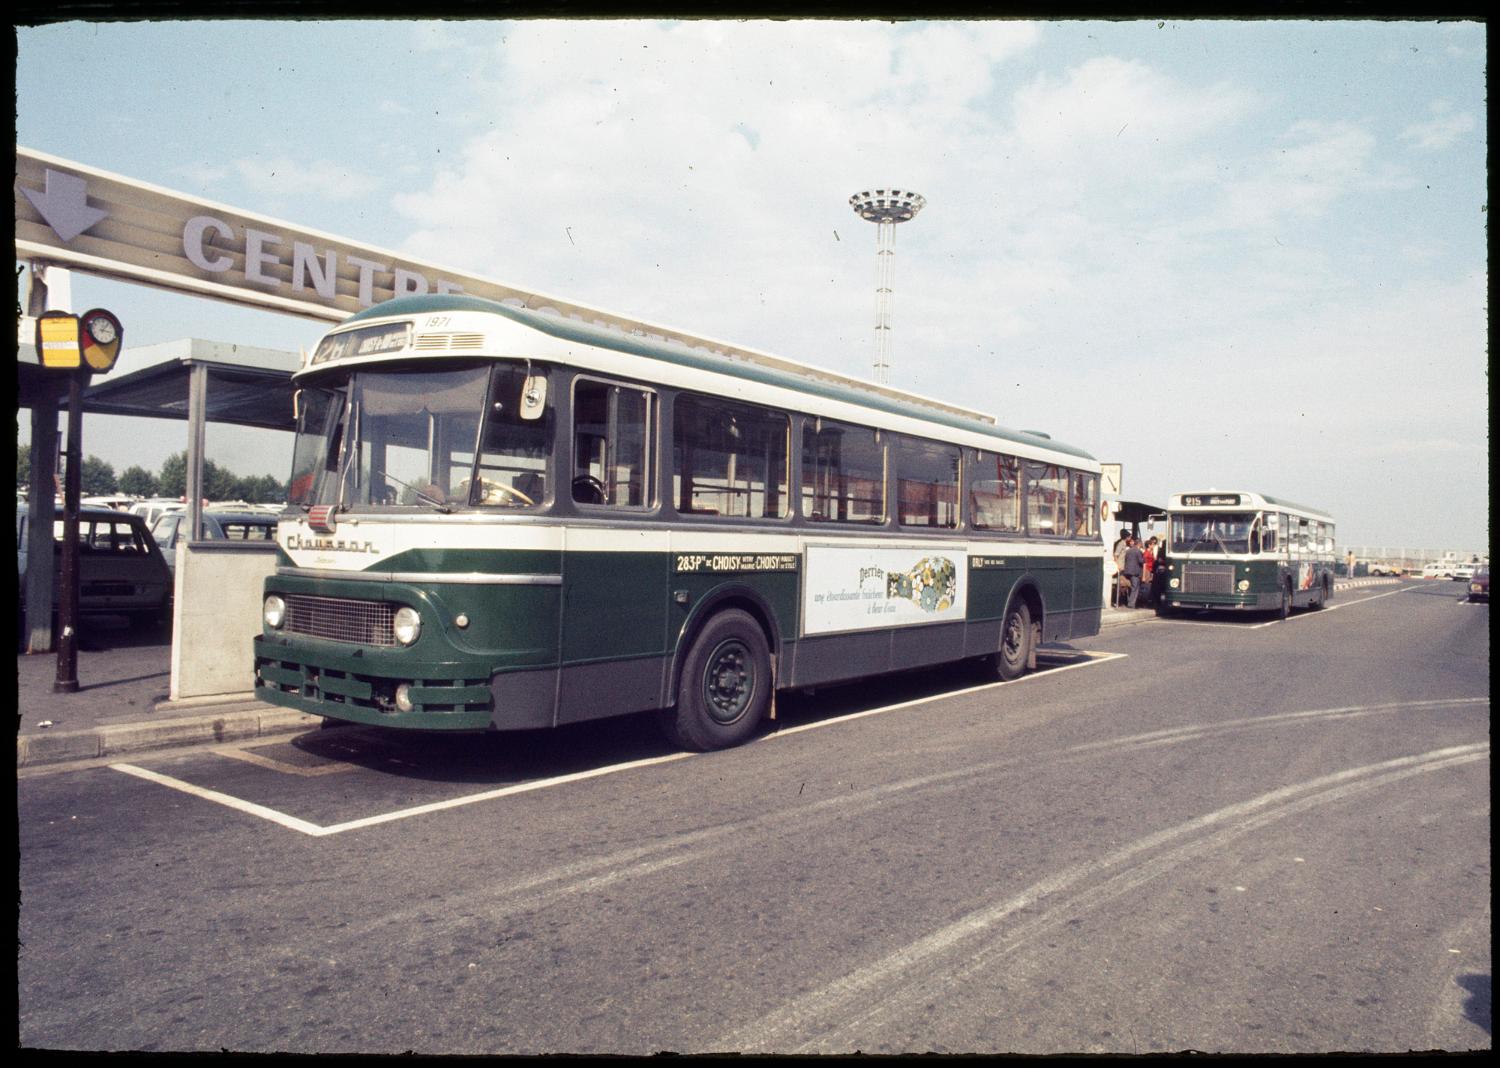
point(272, 764)
point(919, 972)
point(1301, 615)
point(1090, 660)
point(1335, 607)
point(1086, 659)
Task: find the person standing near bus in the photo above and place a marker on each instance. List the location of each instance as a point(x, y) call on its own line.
point(1135, 562)
point(1119, 569)
point(1148, 566)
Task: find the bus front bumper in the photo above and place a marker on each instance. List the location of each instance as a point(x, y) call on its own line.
point(345, 684)
point(1265, 602)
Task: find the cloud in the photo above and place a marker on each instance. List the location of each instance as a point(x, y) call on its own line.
point(1444, 128)
point(1314, 166)
point(687, 150)
point(1120, 104)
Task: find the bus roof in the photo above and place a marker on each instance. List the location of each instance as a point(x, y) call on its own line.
point(740, 363)
point(1220, 499)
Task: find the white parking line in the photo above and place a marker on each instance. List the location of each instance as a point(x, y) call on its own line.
point(314, 830)
point(1093, 658)
point(1272, 622)
point(1335, 607)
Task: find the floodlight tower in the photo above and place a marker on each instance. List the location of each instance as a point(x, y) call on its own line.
point(885, 208)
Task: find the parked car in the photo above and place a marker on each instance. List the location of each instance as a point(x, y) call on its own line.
point(1441, 569)
point(120, 569)
point(1464, 572)
point(151, 510)
point(1479, 584)
point(1379, 568)
point(218, 525)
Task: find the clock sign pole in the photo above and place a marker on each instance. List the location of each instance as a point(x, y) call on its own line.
point(78, 346)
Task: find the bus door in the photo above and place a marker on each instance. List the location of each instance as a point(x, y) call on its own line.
point(614, 566)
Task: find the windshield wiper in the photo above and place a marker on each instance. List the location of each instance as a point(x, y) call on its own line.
point(439, 505)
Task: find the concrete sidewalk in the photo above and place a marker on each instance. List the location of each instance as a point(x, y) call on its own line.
point(122, 704)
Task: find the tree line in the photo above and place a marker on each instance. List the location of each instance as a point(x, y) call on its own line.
point(98, 478)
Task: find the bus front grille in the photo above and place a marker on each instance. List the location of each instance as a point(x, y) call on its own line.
point(340, 619)
point(1208, 578)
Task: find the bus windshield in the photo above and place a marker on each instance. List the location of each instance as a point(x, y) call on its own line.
point(1227, 532)
point(374, 439)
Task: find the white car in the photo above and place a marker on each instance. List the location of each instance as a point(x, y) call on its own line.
point(1439, 570)
point(1463, 572)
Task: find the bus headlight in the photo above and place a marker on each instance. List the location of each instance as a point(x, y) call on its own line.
point(407, 625)
point(1244, 585)
point(274, 612)
point(1173, 583)
point(403, 697)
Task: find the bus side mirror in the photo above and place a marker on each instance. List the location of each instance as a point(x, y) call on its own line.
point(296, 405)
point(533, 397)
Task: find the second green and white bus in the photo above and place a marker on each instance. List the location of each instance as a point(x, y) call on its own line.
point(506, 518)
point(1246, 552)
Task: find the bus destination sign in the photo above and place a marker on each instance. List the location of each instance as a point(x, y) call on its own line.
point(364, 342)
point(1210, 500)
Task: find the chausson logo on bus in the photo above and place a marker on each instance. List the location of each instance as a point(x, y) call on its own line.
point(1211, 500)
point(367, 341)
point(296, 542)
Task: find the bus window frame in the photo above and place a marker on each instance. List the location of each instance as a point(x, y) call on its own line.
point(900, 445)
point(651, 461)
point(886, 520)
point(674, 477)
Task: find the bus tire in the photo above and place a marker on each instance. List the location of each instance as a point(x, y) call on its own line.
point(1015, 642)
point(725, 686)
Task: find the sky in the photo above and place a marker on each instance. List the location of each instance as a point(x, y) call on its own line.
point(1224, 254)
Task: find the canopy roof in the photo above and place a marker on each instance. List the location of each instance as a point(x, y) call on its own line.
point(247, 386)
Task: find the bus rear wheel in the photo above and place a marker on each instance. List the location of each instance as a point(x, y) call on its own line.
point(725, 686)
point(1015, 642)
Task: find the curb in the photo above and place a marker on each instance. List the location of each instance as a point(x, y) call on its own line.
point(228, 726)
point(1137, 615)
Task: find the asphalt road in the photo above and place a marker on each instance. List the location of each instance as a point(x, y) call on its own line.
point(1211, 834)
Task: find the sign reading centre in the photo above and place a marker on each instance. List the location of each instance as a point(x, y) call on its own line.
point(91, 220)
point(84, 219)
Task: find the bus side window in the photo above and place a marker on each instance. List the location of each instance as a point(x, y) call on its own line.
point(1085, 493)
point(926, 484)
point(995, 493)
point(843, 473)
point(612, 444)
point(1046, 500)
point(730, 459)
point(1268, 533)
point(514, 450)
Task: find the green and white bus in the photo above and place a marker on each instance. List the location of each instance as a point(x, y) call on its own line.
point(506, 518)
point(1246, 552)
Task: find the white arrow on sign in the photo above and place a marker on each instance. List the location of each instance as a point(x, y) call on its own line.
point(65, 204)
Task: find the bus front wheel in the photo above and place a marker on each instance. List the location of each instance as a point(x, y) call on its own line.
point(725, 686)
point(1015, 642)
